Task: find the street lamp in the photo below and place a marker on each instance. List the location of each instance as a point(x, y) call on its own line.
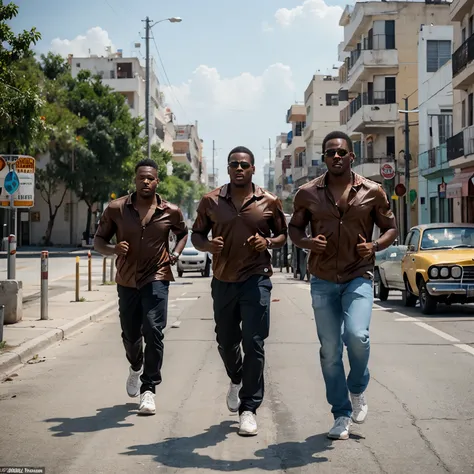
point(148, 27)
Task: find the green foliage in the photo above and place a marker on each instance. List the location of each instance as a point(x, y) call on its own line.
point(20, 119)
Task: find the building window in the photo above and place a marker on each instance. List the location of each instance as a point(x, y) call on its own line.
point(445, 127)
point(470, 109)
point(299, 128)
point(438, 53)
point(463, 114)
point(332, 100)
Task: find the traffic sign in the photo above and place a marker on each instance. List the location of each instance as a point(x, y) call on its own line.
point(400, 190)
point(387, 171)
point(17, 181)
point(12, 182)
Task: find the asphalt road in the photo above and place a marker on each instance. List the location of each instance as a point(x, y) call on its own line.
point(72, 415)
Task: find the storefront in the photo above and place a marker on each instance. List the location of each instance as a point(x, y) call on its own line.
point(461, 191)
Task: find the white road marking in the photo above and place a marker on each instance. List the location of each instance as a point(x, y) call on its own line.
point(465, 347)
point(176, 324)
point(188, 299)
point(303, 286)
point(182, 294)
point(407, 319)
point(438, 332)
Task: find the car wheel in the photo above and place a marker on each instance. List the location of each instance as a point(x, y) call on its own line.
point(428, 303)
point(408, 298)
point(180, 273)
point(380, 290)
point(207, 270)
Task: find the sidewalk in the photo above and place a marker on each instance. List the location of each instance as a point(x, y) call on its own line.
point(23, 340)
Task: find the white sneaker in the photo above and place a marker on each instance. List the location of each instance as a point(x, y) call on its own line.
point(359, 408)
point(147, 403)
point(248, 424)
point(134, 383)
point(233, 400)
point(340, 429)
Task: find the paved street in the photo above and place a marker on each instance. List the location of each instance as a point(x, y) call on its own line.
point(72, 415)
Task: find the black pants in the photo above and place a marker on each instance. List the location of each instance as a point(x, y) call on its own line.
point(247, 303)
point(144, 313)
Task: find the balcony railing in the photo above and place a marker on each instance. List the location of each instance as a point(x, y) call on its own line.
point(455, 146)
point(375, 42)
point(437, 157)
point(463, 55)
point(374, 98)
point(378, 160)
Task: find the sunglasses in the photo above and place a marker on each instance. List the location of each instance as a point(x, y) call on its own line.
point(332, 153)
point(245, 165)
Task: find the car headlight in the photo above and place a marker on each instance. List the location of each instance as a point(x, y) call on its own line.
point(434, 272)
point(456, 272)
point(444, 272)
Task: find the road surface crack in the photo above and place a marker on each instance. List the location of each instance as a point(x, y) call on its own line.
point(414, 422)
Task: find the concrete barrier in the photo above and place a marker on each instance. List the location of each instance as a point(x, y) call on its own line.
point(11, 296)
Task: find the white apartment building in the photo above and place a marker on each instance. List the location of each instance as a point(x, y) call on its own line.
point(187, 148)
point(435, 122)
point(322, 117)
point(296, 117)
point(128, 76)
point(461, 145)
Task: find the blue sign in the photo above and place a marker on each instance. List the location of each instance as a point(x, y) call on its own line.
point(12, 183)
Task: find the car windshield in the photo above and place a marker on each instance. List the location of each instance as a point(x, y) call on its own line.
point(448, 238)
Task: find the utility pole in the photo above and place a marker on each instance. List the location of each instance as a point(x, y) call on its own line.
point(270, 183)
point(213, 167)
point(147, 86)
point(407, 171)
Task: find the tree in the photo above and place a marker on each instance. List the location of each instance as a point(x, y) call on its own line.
point(20, 119)
point(111, 136)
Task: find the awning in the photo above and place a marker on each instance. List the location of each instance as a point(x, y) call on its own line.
point(459, 185)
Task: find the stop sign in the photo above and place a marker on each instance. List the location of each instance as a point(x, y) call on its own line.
point(387, 171)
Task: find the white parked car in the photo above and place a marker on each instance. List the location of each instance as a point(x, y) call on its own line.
point(193, 260)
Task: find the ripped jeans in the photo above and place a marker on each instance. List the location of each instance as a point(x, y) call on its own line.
point(335, 306)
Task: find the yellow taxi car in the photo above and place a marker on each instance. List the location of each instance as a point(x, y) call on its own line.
point(438, 266)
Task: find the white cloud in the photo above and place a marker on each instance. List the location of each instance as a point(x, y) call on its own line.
point(310, 9)
point(245, 109)
point(94, 41)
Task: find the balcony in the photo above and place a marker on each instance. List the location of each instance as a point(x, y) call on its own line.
point(459, 9)
point(434, 161)
point(372, 60)
point(463, 67)
point(368, 111)
point(370, 167)
point(461, 148)
point(455, 146)
point(296, 113)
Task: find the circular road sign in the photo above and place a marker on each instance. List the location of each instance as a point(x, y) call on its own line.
point(387, 171)
point(400, 190)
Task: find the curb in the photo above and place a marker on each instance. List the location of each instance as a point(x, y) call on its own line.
point(18, 357)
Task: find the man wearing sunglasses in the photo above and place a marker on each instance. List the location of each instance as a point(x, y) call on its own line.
point(246, 221)
point(342, 208)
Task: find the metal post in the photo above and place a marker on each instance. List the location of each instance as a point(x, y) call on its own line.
point(407, 171)
point(213, 167)
point(89, 272)
point(11, 263)
point(77, 278)
point(112, 267)
point(104, 270)
point(147, 87)
point(44, 284)
point(2, 320)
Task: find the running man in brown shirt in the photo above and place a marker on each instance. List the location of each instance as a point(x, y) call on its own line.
point(242, 217)
point(142, 222)
point(342, 208)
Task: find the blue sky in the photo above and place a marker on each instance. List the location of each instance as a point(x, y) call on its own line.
point(235, 67)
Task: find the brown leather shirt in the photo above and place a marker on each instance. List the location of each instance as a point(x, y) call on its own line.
point(148, 255)
point(367, 205)
point(262, 213)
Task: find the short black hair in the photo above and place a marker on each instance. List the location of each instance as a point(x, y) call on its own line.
point(146, 162)
point(242, 149)
point(338, 135)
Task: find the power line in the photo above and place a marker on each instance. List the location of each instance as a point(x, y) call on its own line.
point(167, 78)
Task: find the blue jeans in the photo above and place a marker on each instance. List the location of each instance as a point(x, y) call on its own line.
point(342, 313)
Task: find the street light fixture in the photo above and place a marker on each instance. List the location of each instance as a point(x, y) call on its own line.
point(148, 27)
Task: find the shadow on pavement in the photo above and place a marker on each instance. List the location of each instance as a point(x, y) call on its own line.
point(180, 452)
point(106, 419)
